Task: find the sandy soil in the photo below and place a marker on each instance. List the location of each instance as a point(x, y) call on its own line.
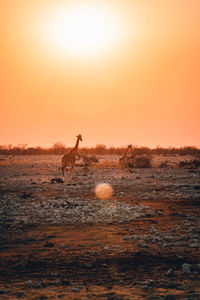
point(58, 241)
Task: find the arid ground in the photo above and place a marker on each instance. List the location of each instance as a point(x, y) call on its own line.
point(58, 241)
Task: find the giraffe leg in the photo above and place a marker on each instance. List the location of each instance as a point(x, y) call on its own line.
point(63, 173)
point(74, 172)
point(120, 172)
point(70, 172)
point(124, 172)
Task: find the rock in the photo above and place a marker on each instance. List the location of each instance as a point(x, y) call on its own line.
point(186, 268)
point(141, 244)
point(65, 282)
point(43, 297)
point(58, 180)
point(106, 248)
point(26, 195)
point(144, 287)
point(49, 245)
point(75, 289)
point(28, 284)
point(39, 284)
point(150, 282)
point(170, 272)
point(166, 281)
point(195, 245)
point(20, 294)
point(53, 274)
point(185, 287)
point(57, 282)
point(105, 265)
point(88, 266)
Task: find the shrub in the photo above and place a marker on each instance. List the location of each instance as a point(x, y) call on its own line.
point(164, 164)
point(194, 163)
point(89, 160)
point(140, 161)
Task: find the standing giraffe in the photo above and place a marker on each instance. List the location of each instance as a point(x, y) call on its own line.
point(123, 161)
point(70, 159)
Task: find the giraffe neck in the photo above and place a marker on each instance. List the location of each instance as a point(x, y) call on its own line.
point(74, 150)
point(125, 153)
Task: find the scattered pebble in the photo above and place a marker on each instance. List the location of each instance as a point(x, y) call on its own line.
point(186, 268)
point(29, 284)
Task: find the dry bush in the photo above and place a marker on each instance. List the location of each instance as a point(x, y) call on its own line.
point(140, 161)
point(194, 164)
point(164, 164)
point(88, 160)
point(59, 148)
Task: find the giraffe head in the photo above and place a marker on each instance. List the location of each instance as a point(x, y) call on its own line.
point(79, 137)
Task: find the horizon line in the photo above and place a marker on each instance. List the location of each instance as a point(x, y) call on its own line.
point(26, 145)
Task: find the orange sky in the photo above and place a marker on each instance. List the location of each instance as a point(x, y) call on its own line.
point(143, 91)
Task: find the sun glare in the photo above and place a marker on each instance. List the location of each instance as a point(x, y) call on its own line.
point(82, 30)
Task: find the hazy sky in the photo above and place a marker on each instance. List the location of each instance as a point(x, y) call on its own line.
point(118, 72)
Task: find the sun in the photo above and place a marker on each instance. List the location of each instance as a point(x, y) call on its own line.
point(81, 29)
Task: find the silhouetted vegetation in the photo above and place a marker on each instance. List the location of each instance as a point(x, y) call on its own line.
point(194, 163)
point(164, 164)
point(59, 148)
point(143, 161)
point(140, 161)
point(89, 160)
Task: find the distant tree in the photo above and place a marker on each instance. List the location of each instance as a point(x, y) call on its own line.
point(22, 146)
point(100, 149)
point(9, 147)
point(58, 148)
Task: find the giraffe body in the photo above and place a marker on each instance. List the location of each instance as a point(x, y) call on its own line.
point(123, 161)
point(69, 159)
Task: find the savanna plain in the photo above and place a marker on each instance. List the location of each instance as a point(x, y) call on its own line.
point(59, 241)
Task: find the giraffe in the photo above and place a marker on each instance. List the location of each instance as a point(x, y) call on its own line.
point(123, 161)
point(70, 159)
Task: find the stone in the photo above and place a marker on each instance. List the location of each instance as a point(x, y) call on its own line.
point(144, 287)
point(57, 282)
point(106, 248)
point(75, 289)
point(150, 282)
point(126, 237)
point(29, 284)
point(20, 294)
point(38, 284)
point(89, 265)
point(170, 272)
point(186, 268)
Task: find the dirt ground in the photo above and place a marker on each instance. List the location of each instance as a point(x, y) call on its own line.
point(58, 241)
